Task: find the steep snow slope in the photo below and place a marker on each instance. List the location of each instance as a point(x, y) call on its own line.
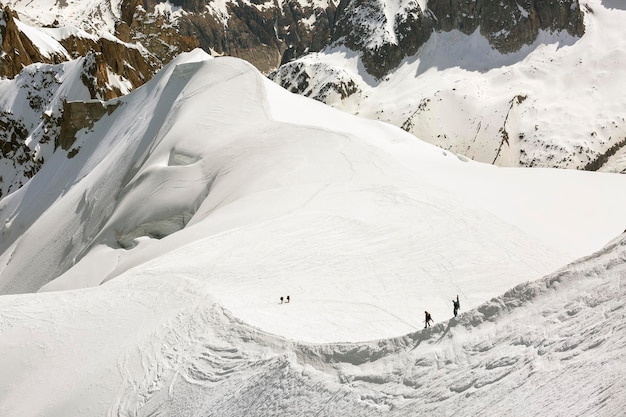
point(556, 103)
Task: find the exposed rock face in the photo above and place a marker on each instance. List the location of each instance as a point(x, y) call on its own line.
point(508, 24)
point(271, 33)
point(155, 32)
point(123, 57)
point(16, 49)
point(383, 37)
point(263, 33)
point(296, 78)
point(386, 37)
point(78, 115)
point(47, 121)
point(15, 154)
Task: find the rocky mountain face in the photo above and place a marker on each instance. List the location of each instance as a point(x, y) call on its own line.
point(497, 123)
point(264, 33)
point(272, 33)
point(121, 55)
point(16, 49)
point(141, 46)
point(385, 36)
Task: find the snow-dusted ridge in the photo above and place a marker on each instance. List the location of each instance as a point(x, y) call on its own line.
point(155, 258)
point(141, 185)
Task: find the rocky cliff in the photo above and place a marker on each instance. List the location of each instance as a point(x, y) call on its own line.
point(272, 33)
point(16, 49)
point(111, 67)
point(141, 45)
point(48, 105)
point(508, 24)
point(264, 33)
point(507, 83)
point(384, 36)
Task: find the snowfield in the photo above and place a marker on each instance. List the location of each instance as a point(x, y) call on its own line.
point(142, 276)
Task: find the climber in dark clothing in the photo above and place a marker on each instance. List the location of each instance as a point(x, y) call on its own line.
point(428, 319)
point(456, 305)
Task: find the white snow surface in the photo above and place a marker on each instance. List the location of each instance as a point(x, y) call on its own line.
point(96, 16)
point(153, 260)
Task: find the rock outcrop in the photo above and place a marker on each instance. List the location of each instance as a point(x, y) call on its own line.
point(143, 44)
point(15, 155)
point(266, 34)
point(302, 79)
point(16, 49)
point(46, 120)
point(508, 24)
point(78, 115)
point(385, 37)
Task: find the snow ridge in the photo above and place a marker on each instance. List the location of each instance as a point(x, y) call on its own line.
point(556, 340)
point(155, 257)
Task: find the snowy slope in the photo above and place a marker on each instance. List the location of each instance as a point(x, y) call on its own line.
point(93, 15)
point(125, 183)
point(340, 198)
point(560, 100)
point(161, 248)
point(151, 344)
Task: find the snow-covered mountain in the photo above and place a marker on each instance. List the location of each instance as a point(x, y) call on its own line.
point(153, 250)
point(40, 111)
point(556, 101)
point(133, 50)
point(268, 33)
point(153, 221)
